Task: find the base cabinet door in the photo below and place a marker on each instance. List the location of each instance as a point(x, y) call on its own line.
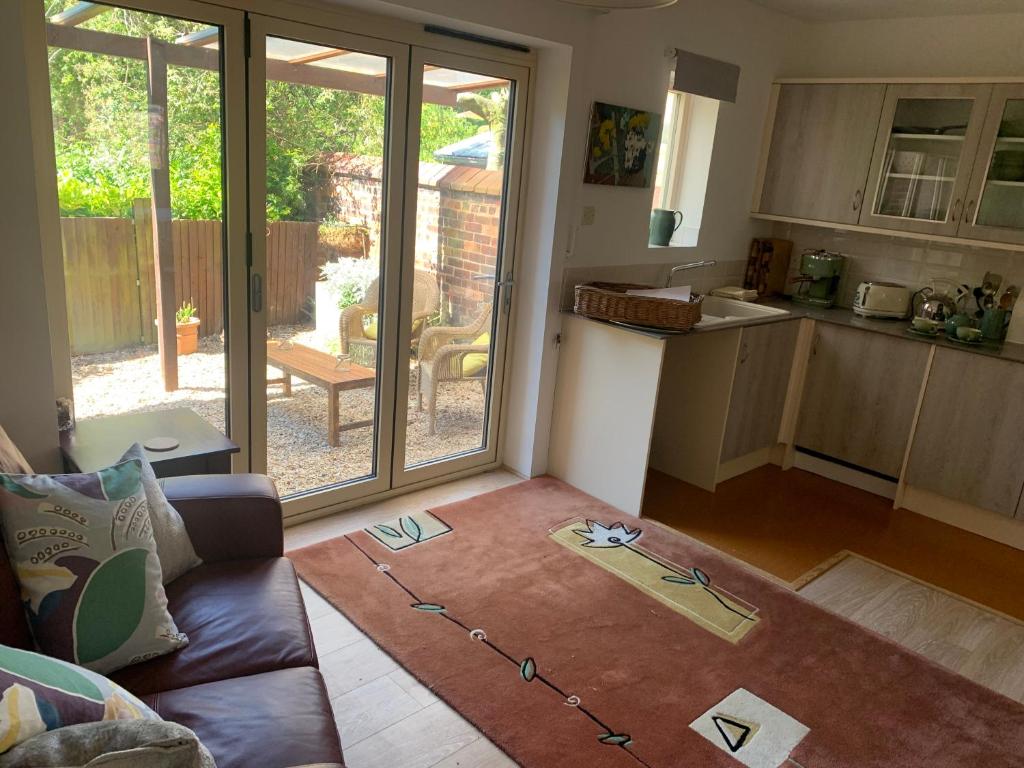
point(759, 388)
point(820, 150)
point(859, 397)
point(968, 440)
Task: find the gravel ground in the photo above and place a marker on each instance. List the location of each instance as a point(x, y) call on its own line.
point(299, 458)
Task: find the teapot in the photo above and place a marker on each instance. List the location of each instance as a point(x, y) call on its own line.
point(940, 301)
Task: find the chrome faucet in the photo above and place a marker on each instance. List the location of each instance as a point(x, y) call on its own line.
point(690, 265)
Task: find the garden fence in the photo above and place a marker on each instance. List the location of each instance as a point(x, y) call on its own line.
point(110, 284)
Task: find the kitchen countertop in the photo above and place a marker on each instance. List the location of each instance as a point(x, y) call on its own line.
point(840, 316)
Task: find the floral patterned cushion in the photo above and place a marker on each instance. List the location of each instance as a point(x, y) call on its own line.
point(82, 549)
point(39, 694)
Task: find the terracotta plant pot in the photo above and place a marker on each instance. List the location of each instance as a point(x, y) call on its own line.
point(187, 334)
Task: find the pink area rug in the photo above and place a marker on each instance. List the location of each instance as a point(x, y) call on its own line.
point(574, 642)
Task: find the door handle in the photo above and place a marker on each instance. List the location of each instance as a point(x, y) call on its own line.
point(858, 198)
point(506, 286)
point(256, 292)
point(969, 213)
point(956, 209)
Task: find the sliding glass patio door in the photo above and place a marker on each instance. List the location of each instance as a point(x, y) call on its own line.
point(457, 277)
point(327, 119)
point(383, 184)
point(148, 104)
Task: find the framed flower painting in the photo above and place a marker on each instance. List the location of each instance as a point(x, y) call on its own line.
point(622, 145)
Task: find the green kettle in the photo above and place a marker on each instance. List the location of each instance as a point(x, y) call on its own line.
point(663, 225)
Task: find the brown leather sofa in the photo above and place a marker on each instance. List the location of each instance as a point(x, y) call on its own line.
point(248, 682)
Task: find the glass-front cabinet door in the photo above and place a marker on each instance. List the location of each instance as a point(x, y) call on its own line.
point(924, 153)
point(995, 202)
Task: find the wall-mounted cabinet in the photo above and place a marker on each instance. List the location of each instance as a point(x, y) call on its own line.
point(995, 199)
point(821, 144)
point(924, 153)
point(946, 160)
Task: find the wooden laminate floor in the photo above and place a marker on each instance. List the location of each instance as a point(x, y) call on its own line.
point(388, 720)
point(788, 523)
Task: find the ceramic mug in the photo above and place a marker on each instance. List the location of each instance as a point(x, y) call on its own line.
point(994, 323)
point(956, 321)
point(663, 225)
point(966, 333)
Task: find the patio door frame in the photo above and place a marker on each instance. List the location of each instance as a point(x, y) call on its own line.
point(504, 276)
point(260, 27)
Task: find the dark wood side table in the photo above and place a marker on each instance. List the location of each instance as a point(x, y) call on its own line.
point(97, 443)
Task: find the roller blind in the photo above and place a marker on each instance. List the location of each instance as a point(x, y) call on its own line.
point(705, 76)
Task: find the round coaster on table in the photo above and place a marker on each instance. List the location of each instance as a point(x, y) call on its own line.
point(161, 444)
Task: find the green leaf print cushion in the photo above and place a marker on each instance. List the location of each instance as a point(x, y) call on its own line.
point(83, 551)
point(39, 694)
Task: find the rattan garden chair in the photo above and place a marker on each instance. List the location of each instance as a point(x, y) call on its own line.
point(449, 353)
point(361, 344)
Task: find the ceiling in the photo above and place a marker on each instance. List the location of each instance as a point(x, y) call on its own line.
point(841, 10)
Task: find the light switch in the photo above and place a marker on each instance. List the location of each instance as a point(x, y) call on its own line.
point(589, 214)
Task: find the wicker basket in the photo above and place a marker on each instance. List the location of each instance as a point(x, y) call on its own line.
point(609, 301)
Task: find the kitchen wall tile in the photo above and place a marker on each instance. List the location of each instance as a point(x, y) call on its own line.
point(909, 262)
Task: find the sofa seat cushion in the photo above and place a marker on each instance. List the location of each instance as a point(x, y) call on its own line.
point(242, 617)
point(271, 720)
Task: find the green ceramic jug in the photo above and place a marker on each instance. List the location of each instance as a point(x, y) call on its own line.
point(664, 225)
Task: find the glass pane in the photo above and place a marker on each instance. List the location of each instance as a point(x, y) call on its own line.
point(459, 217)
point(667, 152)
point(1002, 202)
point(326, 115)
point(923, 158)
point(124, 155)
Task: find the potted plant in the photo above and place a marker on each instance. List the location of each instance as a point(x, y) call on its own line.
point(186, 322)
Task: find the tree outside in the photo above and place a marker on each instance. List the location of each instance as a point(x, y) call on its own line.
point(101, 133)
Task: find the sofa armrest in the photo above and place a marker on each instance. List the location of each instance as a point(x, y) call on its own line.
point(229, 517)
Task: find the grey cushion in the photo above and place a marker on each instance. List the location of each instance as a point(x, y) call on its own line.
point(112, 744)
point(173, 545)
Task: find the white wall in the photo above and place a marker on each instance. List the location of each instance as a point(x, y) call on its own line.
point(628, 66)
point(942, 46)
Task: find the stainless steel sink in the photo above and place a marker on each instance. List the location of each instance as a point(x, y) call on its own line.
point(717, 312)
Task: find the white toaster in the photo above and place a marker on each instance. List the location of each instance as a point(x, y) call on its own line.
point(882, 300)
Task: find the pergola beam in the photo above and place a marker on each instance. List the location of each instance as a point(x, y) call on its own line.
point(109, 44)
point(163, 238)
point(309, 58)
point(79, 13)
point(200, 38)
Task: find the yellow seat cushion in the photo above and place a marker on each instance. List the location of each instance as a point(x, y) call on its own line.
point(370, 331)
point(475, 362)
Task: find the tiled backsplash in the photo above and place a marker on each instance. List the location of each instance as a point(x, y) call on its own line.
point(900, 260)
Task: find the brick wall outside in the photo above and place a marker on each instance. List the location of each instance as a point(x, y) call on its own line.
point(458, 220)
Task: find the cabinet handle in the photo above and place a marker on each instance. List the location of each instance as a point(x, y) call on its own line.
point(744, 353)
point(858, 198)
point(956, 209)
point(969, 213)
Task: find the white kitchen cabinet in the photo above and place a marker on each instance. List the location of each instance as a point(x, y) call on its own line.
point(860, 393)
point(995, 199)
point(924, 153)
point(967, 443)
point(820, 152)
point(759, 387)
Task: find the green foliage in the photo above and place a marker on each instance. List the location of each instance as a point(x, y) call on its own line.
point(101, 133)
point(185, 313)
point(348, 279)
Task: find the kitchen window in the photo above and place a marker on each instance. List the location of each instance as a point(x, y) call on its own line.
point(699, 85)
point(684, 161)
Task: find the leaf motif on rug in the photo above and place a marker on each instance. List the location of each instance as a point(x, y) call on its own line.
point(407, 530)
